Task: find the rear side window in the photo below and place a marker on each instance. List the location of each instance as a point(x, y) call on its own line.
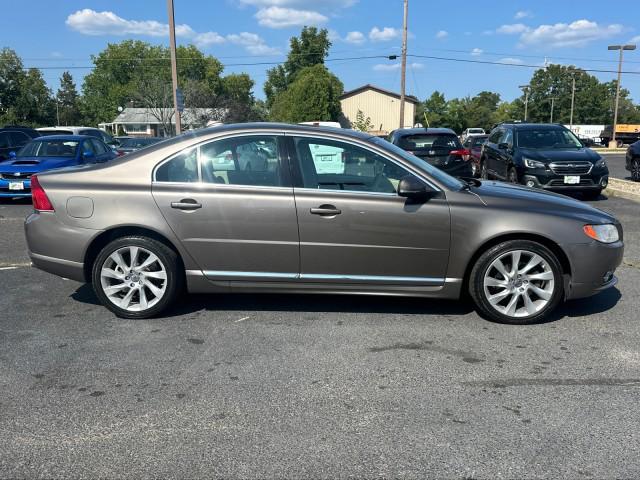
point(4, 140)
point(99, 147)
point(18, 139)
point(430, 142)
point(182, 168)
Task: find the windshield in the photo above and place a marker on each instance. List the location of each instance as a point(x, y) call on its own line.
point(547, 138)
point(424, 141)
point(49, 148)
point(476, 130)
point(137, 142)
point(445, 179)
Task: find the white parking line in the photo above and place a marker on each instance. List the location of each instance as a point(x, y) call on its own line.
point(8, 268)
point(14, 266)
point(242, 319)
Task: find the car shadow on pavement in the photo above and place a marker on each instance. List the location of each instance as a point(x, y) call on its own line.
point(582, 307)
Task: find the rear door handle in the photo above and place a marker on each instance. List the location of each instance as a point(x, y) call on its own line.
point(186, 204)
point(325, 210)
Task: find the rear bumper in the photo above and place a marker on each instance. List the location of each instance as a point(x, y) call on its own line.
point(56, 247)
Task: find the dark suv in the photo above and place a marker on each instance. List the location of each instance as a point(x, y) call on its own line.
point(13, 138)
point(545, 156)
point(440, 147)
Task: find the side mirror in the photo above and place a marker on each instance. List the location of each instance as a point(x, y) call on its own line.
point(88, 156)
point(412, 188)
point(503, 146)
point(12, 154)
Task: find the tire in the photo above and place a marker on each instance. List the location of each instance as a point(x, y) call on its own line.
point(512, 175)
point(138, 286)
point(635, 169)
point(474, 170)
point(494, 301)
point(591, 194)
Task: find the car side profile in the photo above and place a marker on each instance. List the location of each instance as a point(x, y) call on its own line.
point(48, 153)
point(146, 225)
point(474, 145)
point(546, 156)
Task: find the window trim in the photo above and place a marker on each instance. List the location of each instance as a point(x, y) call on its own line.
point(283, 160)
point(298, 183)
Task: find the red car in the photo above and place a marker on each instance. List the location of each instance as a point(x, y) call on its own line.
point(474, 145)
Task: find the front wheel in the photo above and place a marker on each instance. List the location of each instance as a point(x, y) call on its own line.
point(635, 170)
point(517, 282)
point(484, 173)
point(512, 175)
point(136, 277)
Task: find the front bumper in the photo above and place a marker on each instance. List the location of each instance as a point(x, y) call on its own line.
point(548, 180)
point(5, 192)
point(592, 267)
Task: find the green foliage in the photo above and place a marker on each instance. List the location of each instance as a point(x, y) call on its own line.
point(313, 95)
point(311, 48)
point(362, 123)
point(68, 101)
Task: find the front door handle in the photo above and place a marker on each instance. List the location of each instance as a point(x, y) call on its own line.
point(186, 204)
point(326, 210)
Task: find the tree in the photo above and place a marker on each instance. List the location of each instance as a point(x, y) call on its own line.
point(35, 105)
point(481, 110)
point(362, 123)
point(311, 48)
point(11, 80)
point(432, 111)
point(68, 101)
point(156, 95)
point(314, 95)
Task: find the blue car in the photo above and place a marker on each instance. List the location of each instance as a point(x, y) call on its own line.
point(48, 153)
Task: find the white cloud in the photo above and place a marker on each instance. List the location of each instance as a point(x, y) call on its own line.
point(442, 34)
point(390, 67)
point(357, 38)
point(306, 3)
point(90, 22)
point(513, 29)
point(476, 51)
point(511, 61)
point(575, 34)
point(523, 14)
point(384, 35)
point(635, 39)
point(253, 43)
point(279, 17)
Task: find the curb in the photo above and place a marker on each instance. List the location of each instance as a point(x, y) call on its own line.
point(606, 151)
point(623, 189)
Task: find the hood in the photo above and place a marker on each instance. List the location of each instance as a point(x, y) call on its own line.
point(519, 197)
point(561, 155)
point(35, 164)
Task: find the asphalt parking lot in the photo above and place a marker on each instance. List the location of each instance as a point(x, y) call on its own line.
point(615, 162)
point(314, 386)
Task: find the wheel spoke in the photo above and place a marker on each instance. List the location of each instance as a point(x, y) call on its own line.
point(115, 288)
point(495, 282)
point(543, 294)
point(494, 299)
point(541, 276)
point(528, 304)
point(117, 258)
point(510, 309)
point(126, 300)
point(143, 299)
point(110, 273)
point(161, 275)
point(157, 292)
point(500, 267)
point(149, 261)
point(133, 255)
point(533, 262)
point(515, 260)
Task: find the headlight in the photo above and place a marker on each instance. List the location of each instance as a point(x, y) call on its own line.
point(533, 163)
point(601, 163)
point(607, 233)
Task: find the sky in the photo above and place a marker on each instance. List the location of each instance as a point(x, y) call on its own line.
point(63, 34)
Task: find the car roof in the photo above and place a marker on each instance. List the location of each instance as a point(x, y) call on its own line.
point(277, 126)
point(415, 131)
point(527, 126)
point(68, 127)
point(75, 138)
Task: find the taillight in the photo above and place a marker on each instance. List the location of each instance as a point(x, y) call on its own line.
point(40, 200)
point(120, 153)
point(464, 153)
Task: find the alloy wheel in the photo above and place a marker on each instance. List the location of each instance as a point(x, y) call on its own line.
point(133, 278)
point(519, 283)
point(635, 170)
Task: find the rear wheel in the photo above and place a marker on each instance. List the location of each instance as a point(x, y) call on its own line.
point(136, 277)
point(517, 282)
point(635, 169)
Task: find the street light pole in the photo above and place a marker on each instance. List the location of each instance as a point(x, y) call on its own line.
point(573, 96)
point(613, 143)
point(403, 75)
point(174, 68)
point(553, 100)
point(526, 99)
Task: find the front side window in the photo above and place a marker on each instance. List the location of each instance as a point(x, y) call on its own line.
point(250, 160)
point(182, 168)
point(495, 136)
point(507, 137)
point(99, 147)
point(334, 165)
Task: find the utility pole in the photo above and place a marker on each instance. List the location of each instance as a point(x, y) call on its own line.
point(553, 100)
point(57, 112)
point(403, 74)
point(613, 143)
point(526, 99)
point(573, 96)
point(174, 68)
